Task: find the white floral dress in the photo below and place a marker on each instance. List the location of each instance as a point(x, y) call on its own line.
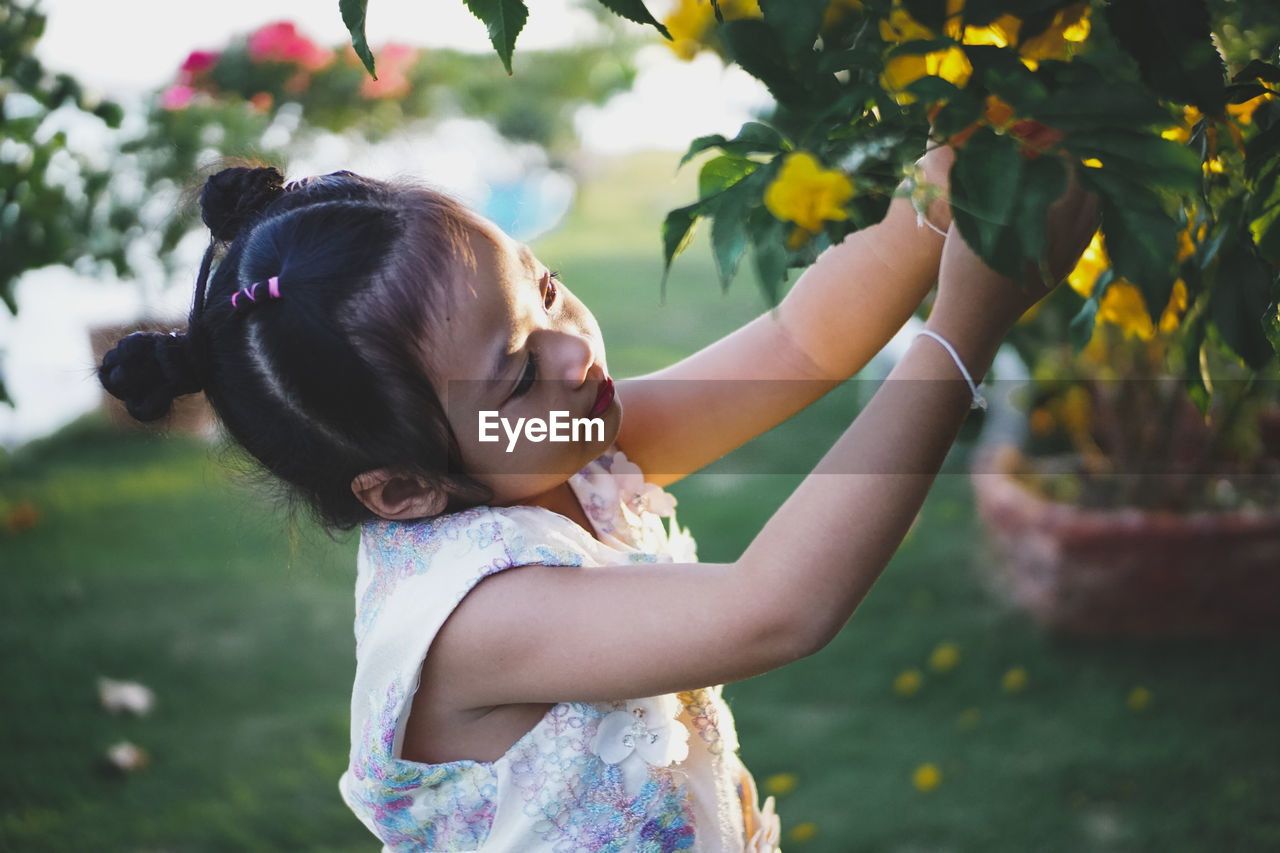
point(649, 775)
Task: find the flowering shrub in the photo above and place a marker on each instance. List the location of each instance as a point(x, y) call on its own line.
point(1174, 136)
point(223, 100)
point(51, 196)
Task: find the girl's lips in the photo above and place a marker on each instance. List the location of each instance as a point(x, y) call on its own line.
point(604, 398)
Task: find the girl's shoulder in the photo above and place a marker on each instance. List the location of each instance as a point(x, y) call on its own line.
point(434, 562)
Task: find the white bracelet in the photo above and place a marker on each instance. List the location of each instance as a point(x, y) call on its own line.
point(922, 221)
point(979, 402)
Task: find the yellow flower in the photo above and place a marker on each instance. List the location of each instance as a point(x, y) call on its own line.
point(1187, 244)
point(1001, 32)
point(901, 71)
point(692, 21)
point(908, 682)
point(1015, 680)
point(807, 194)
point(944, 657)
point(1243, 113)
point(802, 832)
point(1139, 699)
point(1177, 306)
point(900, 27)
point(1091, 265)
point(1070, 27)
point(781, 784)
point(1091, 163)
point(1181, 133)
point(1122, 304)
point(926, 778)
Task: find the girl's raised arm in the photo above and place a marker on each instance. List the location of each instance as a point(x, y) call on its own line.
point(545, 633)
point(839, 314)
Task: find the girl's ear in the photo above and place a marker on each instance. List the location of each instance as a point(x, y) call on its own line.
point(397, 496)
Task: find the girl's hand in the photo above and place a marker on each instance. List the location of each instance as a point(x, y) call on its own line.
point(977, 306)
point(933, 185)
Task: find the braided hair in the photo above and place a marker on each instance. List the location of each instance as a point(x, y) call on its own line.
point(319, 365)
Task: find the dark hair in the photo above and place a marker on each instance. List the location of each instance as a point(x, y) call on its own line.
point(330, 380)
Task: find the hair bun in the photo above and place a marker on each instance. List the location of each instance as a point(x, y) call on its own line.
point(236, 197)
point(147, 370)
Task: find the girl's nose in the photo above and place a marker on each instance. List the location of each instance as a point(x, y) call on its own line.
point(566, 356)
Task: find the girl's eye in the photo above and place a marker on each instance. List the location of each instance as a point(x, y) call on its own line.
point(526, 378)
point(549, 295)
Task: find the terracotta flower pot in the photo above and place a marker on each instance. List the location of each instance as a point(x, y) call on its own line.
point(191, 414)
point(1128, 572)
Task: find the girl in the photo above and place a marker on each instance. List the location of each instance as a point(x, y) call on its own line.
point(354, 336)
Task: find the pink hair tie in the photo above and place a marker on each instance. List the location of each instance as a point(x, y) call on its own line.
point(251, 292)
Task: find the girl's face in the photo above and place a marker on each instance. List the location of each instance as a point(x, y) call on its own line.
point(516, 349)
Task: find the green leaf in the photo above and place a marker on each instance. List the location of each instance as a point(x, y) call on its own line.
point(1260, 150)
point(930, 13)
point(795, 21)
point(702, 143)
point(769, 250)
point(1086, 320)
point(754, 45)
point(1044, 182)
point(1271, 325)
point(960, 110)
point(1082, 97)
point(753, 138)
point(8, 296)
point(353, 15)
point(728, 242)
point(758, 138)
point(504, 19)
point(635, 10)
point(730, 210)
point(985, 182)
point(722, 172)
point(1176, 56)
point(1142, 243)
point(1017, 86)
point(1258, 70)
point(1141, 156)
point(677, 231)
point(1239, 304)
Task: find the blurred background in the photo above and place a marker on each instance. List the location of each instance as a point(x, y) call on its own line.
point(177, 649)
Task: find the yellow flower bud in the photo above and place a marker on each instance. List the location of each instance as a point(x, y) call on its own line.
point(780, 784)
point(926, 777)
point(1015, 680)
point(802, 832)
point(945, 657)
point(908, 682)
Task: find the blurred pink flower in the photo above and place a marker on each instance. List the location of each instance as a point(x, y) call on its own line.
point(177, 97)
point(200, 60)
point(393, 63)
point(281, 42)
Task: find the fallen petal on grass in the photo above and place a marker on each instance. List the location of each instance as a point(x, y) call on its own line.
point(117, 696)
point(127, 757)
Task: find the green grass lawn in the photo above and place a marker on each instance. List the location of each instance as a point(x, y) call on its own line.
point(149, 562)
